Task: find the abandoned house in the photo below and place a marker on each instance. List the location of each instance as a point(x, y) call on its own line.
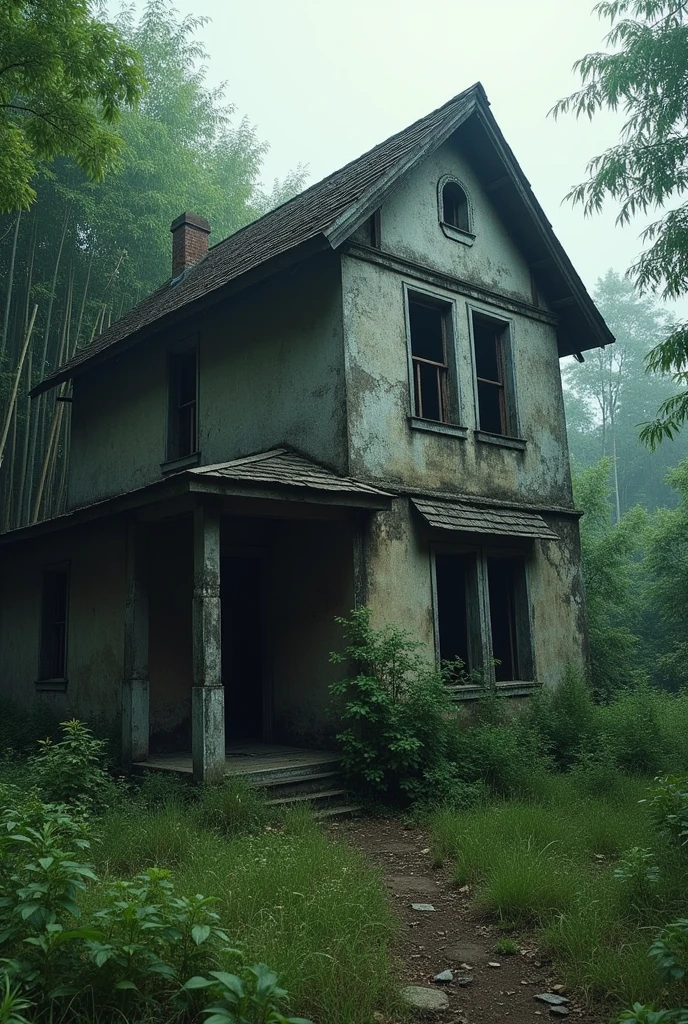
point(356, 399)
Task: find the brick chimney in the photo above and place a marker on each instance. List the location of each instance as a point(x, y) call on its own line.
point(189, 241)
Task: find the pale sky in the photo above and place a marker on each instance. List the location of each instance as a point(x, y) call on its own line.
point(324, 80)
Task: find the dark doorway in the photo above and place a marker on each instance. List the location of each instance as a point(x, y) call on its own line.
point(242, 646)
point(501, 582)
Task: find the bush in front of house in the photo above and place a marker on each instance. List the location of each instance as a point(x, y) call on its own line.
point(396, 714)
point(75, 948)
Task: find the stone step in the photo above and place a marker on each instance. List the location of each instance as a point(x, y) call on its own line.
point(262, 775)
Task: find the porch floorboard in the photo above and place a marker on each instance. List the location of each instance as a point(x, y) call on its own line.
point(247, 759)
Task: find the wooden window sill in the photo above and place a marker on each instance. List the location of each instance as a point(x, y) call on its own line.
point(517, 688)
point(501, 440)
point(51, 685)
point(457, 234)
point(437, 427)
point(175, 465)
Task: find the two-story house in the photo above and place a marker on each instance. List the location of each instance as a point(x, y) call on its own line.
point(354, 400)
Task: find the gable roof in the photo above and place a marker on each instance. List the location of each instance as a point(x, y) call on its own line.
point(326, 214)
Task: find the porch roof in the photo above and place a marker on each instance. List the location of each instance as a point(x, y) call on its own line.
point(463, 517)
point(282, 467)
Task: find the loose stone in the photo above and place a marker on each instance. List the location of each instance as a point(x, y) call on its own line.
point(464, 980)
point(426, 999)
point(559, 1011)
point(428, 907)
point(551, 998)
point(444, 977)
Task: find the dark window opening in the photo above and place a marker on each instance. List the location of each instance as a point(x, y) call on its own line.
point(374, 228)
point(451, 579)
point(183, 422)
point(429, 358)
point(455, 206)
point(488, 344)
point(53, 656)
point(507, 595)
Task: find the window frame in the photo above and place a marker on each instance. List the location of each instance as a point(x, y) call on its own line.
point(451, 396)
point(457, 234)
point(173, 458)
point(509, 405)
point(480, 642)
point(44, 679)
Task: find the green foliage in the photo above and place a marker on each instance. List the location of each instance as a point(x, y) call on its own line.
point(507, 946)
point(396, 711)
point(668, 807)
point(562, 716)
point(255, 997)
point(65, 78)
point(649, 1014)
point(638, 872)
point(72, 771)
point(643, 75)
point(608, 395)
point(232, 807)
point(670, 951)
point(608, 572)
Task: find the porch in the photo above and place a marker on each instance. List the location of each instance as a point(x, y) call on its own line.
point(232, 595)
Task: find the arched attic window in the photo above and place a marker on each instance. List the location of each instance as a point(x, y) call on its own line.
point(455, 211)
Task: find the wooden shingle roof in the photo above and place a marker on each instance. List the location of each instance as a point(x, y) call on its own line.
point(286, 468)
point(462, 517)
point(326, 214)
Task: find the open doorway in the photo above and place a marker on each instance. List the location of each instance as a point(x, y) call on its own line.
point(243, 647)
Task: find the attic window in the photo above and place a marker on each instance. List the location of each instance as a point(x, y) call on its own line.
point(182, 437)
point(455, 213)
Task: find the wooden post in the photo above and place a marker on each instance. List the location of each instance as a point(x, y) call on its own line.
point(208, 697)
point(135, 685)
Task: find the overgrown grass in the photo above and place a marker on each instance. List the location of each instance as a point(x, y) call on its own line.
point(549, 865)
point(311, 908)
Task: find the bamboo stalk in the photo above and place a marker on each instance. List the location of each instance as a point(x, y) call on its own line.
point(4, 341)
point(57, 419)
point(15, 386)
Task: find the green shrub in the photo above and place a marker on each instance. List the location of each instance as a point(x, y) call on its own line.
point(563, 717)
point(632, 729)
point(162, 789)
point(668, 807)
point(73, 770)
point(396, 711)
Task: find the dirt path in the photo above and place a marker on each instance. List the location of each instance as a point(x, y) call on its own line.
point(452, 936)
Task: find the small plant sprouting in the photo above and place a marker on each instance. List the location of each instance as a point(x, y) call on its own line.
point(507, 946)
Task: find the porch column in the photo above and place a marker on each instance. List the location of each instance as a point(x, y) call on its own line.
point(135, 684)
point(208, 698)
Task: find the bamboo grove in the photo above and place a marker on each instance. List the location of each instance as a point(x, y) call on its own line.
point(87, 251)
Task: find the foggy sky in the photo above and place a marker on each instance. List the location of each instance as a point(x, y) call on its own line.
point(324, 80)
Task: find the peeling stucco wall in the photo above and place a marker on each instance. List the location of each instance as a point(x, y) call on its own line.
point(95, 629)
point(271, 370)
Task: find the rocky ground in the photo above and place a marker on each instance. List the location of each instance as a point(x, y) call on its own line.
point(486, 986)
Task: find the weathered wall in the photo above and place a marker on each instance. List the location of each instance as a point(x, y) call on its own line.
point(410, 228)
point(399, 587)
point(382, 444)
point(95, 639)
point(271, 371)
point(384, 447)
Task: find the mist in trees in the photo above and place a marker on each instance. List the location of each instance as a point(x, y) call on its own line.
point(87, 251)
point(610, 396)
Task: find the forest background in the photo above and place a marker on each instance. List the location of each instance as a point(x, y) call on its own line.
point(87, 251)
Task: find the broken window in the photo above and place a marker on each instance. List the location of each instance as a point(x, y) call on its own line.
point(455, 206)
point(53, 652)
point(451, 582)
point(495, 413)
point(482, 614)
point(183, 404)
point(428, 324)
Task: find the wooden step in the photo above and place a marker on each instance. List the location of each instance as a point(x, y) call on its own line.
point(313, 796)
point(296, 783)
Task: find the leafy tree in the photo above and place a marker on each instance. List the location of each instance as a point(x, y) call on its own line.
point(610, 576)
point(65, 76)
point(644, 76)
point(666, 567)
point(88, 251)
point(610, 394)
